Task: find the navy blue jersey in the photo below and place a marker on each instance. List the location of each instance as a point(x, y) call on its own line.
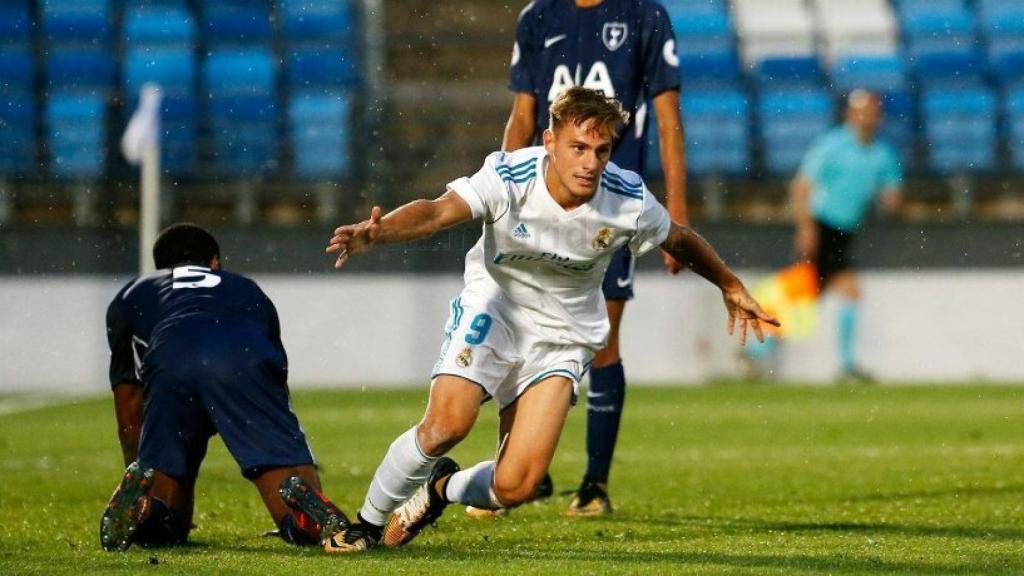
point(625, 48)
point(174, 299)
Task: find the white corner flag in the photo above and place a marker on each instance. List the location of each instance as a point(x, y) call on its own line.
point(140, 144)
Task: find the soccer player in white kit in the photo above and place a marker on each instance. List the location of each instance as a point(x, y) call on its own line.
point(530, 317)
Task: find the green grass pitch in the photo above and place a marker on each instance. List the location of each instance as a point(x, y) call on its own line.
point(733, 479)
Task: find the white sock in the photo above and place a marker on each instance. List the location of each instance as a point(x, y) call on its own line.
point(404, 469)
point(474, 487)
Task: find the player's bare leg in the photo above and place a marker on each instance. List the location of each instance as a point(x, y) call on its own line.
point(412, 459)
point(535, 424)
point(605, 399)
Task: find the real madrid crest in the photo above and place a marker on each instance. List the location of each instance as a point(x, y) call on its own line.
point(603, 239)
point(465, 358)
point(614, 35)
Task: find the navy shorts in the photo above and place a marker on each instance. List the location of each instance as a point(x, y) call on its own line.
point(834, 253)
point(618, 280)
point(203, 379)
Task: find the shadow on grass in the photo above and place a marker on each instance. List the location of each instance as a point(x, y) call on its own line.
point(867, 528)
point(647, 560)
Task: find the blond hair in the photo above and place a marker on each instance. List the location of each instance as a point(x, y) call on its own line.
point(578, 105)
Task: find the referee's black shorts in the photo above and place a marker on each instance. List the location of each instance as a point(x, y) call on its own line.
point(834, 254)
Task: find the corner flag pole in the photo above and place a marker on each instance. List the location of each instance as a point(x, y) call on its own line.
point(141, 145)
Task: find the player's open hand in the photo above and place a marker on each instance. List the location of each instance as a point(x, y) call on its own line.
point(743, 308)
point(671, 264)
point(354, 239)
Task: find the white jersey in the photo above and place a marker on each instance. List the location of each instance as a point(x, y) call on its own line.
point(548, 261)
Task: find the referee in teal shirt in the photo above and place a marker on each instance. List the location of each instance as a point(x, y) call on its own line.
point(839, 180)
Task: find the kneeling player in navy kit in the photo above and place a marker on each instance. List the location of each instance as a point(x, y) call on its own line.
point(196, 351)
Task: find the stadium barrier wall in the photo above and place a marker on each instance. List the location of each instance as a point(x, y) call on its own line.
point(386, 330)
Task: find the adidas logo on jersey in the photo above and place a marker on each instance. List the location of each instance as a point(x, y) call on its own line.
point(521, 232)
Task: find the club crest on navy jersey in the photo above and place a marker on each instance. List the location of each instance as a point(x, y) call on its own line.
point(614, 35)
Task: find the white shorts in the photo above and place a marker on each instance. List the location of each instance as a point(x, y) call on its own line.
point(484, 344)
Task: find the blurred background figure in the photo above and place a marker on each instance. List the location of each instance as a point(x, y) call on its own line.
point(838, 181)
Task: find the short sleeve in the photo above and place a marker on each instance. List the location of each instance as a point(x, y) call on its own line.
point(891, 172)
point(810, 167)
point(484, 191)
point(661, 63)
point(524, 54)
point(653, 226)
point(119, 338)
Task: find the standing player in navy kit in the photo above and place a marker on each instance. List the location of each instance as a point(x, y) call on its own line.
point(626, 49)
point(196, 351)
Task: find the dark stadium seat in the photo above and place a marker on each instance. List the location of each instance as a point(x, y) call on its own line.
point(174, 70)
point(949, 68)
point(158, 25)
point(309, 66)
point(710, 69)
point(960, 128)
point(790, 120)
point(74, 126)
point(1008, 67)
point(1013, 108)
point(17, 132)
point(236, 23)
point(242, 110)
point(320, 135)
point(789, 72)
point(80, 68)
point(15, 23)
point(318, 20)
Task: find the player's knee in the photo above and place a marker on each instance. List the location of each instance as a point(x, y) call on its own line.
point(512, 490)
point(437, 437)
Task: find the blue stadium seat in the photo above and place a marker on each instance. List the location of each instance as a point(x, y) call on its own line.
point(937, 26)
point(85, 21)
point(790, 120)
point(74, 125)
point(15, 23)
point(694, 6)
point(159, 26)
point(321, 66)
point(710, 69)
point(15, 70)
point(318, 20)
point(319, 129)
point(702, 32)
point(82, 68)
point(717, 131)
point(17, 132)
point(236, 23)
point(949, 68)
point(242, 111)
point(880, 73)
point(173, 69)
point(1013, 109)
point(1008, 68)
point(788, 71)
point(960, 129)
point(898, 125)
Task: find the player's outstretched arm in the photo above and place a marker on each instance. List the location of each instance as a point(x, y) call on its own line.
point(416, 220)
point(692, 251)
